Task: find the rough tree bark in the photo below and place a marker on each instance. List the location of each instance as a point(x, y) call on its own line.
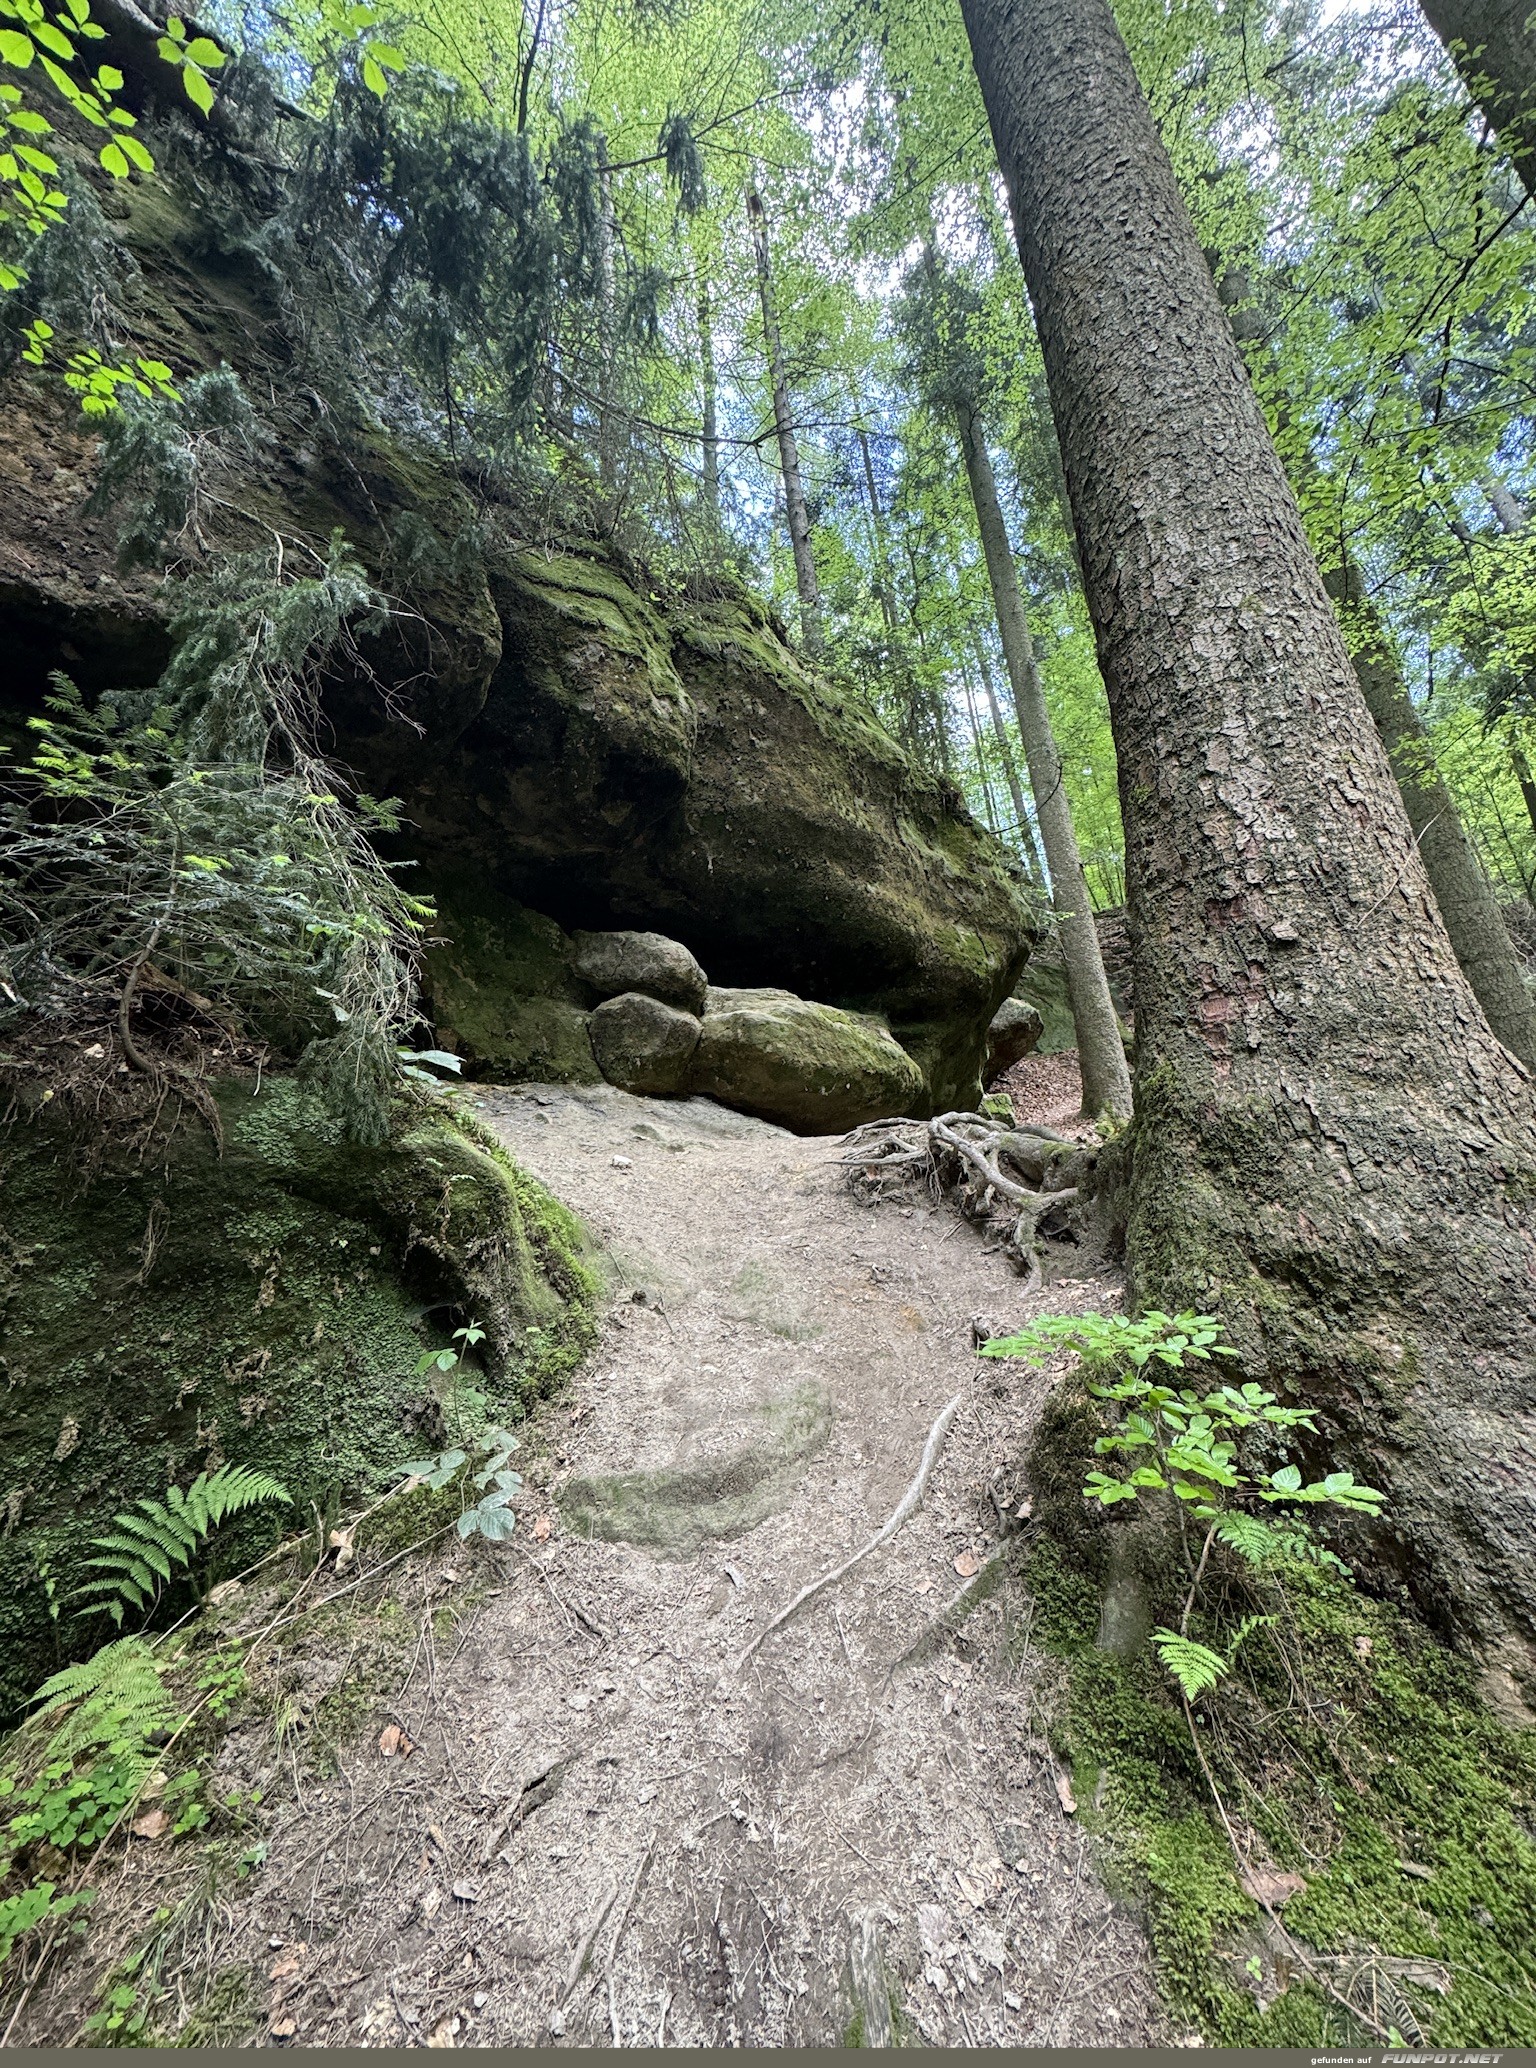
point(1462, 890)
point(1100, 1049)
point(796, 511)
point(1492, 44)
point(1330, 1146)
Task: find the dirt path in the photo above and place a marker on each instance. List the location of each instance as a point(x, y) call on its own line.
point(593, 1753)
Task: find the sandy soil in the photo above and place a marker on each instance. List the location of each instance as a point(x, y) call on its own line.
point(596, 1754)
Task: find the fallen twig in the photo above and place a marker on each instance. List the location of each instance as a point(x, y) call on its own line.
point(908, 1505)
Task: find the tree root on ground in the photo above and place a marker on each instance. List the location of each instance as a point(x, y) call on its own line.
point(908, 1505)
point(1014, 1176)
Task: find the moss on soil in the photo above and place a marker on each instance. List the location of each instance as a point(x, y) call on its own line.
point(676, 1511)
point(266, 1307)
point(1350, 1747)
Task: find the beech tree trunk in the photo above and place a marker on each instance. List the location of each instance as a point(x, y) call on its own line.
point(1492, 44)
point(1100, 1049)
point(796, 510)
point(1330, 1147)
point(1462, 890)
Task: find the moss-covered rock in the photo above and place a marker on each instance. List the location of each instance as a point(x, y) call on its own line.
point(644, 1046)
point(267, 1306)
point(501, 988)
point(564, 735)
point(804, 1066)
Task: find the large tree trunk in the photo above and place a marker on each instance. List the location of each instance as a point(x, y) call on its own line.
point(1462, 891)
point(1330, 1146)
point(796, 510)
point(1492, 44)
point(1100, 1049)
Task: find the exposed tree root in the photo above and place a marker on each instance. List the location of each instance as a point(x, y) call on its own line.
point(908, 1505)
point(965, 1154)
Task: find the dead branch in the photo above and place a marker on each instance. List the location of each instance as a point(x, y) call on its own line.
point(902, 1513)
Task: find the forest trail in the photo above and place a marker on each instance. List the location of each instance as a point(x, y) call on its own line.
point(593, 1754)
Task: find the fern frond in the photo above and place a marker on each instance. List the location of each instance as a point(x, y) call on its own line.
point(154, 1540)
point(1194, 1666)
point(123, 1680)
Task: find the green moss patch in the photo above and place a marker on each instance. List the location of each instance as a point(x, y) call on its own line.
point(677, 1510)
point(1352, 1750)
point(267, 1306)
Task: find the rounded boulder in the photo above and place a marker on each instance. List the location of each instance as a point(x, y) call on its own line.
point(643, 1045)
point(812, 1068)
point(613, 963)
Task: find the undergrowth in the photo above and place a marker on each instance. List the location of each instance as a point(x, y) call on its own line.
point(1383, 1813)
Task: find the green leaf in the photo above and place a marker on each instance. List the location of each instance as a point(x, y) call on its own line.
point(47, 37)
point(202, 50)
point(15, 49)
point(113, 161)
point(1287, 1480)
point(139, 156)
point(199, 92)
point(373, 78)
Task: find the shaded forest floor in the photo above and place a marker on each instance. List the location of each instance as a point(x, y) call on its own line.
point(588, 1750)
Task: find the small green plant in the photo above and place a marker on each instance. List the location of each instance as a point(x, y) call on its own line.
point(1183, 1445)
point(492, 1515)
point(38, 1905)
point(449, 1360)
point(155, 1539)
point(412, 1059)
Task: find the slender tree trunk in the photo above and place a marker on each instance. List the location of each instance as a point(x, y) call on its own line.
point(1511, 516)
point(1492, 44)
point(1100, 1048)
point(1010, 769)
point(994, 823)
point(710, 440)
point(1330, 1147)
point(798, 514)
point(1462, 890)
point(607, 325)
point(877, 526)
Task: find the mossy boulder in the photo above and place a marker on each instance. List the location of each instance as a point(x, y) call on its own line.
point(503, 993)
point(809, 1067)
point(643, 1045)
point(1014, 1033)
point(267, 1306)
point(566, 734)
point(612, 963)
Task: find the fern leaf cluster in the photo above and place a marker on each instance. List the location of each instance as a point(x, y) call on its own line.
point(154, 1540)
point(123, 1682)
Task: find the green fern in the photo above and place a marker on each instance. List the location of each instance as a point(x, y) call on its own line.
point(1196, 1668)
point(123, 1682)
point(155, 1539)
point(1264, 1543)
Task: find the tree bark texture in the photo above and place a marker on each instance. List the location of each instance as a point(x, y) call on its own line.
point(1330, 1147)
point(1462, 890)
point(796, 511)
point(1492, 44)
point(1100, 1048)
